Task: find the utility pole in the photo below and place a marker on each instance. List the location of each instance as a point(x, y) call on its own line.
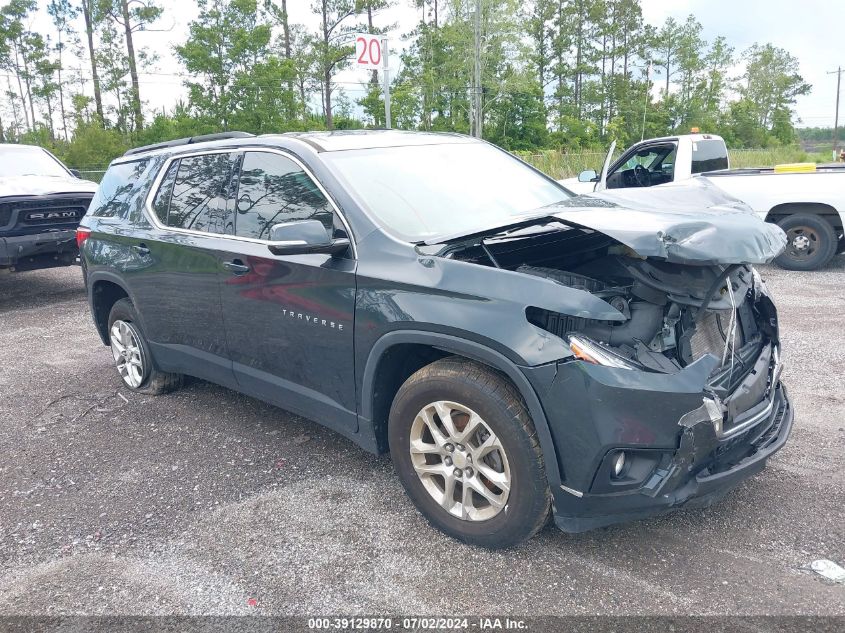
point(838, 73)
point(476, 118)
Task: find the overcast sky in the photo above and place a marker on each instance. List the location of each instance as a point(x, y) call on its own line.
point(809, 29)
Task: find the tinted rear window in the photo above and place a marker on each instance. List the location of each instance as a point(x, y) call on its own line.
point(114, 194)
point(710, 155)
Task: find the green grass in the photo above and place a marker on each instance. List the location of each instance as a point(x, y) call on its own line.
point(560, 164)
point(563, 164)
point(772, 157)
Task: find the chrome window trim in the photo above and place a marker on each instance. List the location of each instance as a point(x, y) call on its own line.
point(151, 216)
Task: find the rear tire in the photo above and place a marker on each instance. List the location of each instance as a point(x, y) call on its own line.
point(811, 242)
point(501, 496)
point(132, 353)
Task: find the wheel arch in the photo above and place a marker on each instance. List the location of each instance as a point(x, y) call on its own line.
point(104, 291)
point(827, 211)
point(377, 393)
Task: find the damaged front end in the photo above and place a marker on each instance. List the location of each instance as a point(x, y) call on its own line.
point(675, 399)
point(674, 316)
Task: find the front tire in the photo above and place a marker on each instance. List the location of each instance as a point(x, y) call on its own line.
point(132, 353)
point(467, 453)
point(811, 242)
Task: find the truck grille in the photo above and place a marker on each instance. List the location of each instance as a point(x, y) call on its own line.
point(47, 211)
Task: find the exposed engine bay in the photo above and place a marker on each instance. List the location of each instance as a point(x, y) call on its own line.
point(671, 315)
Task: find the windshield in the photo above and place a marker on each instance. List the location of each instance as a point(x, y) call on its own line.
point(424, 191)
point(29, 161)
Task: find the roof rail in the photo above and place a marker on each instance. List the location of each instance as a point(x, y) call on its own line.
point(188, 141)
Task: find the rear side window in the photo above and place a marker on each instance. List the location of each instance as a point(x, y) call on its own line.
point(114, 194)
point(161, 202)
point(273, 189)
point(709, 155)
point(199, 196)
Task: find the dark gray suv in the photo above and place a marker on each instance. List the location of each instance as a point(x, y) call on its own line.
point(519, 351)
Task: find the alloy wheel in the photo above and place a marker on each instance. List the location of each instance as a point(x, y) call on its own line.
point(128, 353)
point(460, 461)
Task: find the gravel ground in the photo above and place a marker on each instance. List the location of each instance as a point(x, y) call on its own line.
point(208, 502)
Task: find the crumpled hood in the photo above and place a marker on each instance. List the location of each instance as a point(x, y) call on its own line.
point(44, 185)
point(693, 222)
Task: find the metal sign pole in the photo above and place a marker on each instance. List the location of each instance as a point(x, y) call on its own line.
point(387, 123)
point(836, 123)
point(645, 102)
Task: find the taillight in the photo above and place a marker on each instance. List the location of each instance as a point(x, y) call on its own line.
point(82, 234)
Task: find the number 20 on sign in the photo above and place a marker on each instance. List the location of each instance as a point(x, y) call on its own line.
point(368, 51)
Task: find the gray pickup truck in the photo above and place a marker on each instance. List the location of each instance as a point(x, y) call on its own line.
point(41, 204)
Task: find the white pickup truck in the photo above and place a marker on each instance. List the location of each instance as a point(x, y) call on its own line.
point(806, 201)
point(41, 204)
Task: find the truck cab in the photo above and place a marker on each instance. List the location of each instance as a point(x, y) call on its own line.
point(657, 161)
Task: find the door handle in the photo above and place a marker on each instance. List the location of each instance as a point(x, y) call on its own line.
point(141, 249)
point(236, 266)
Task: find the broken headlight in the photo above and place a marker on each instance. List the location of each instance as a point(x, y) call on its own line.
point(594, 352)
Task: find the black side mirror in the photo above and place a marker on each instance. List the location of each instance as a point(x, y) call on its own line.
point(303, 237)
point(76, 173)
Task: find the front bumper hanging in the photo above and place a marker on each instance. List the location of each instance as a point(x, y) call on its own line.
point(685, 447)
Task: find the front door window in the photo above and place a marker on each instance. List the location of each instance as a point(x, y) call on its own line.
point(646, 167)
point(273, 189)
